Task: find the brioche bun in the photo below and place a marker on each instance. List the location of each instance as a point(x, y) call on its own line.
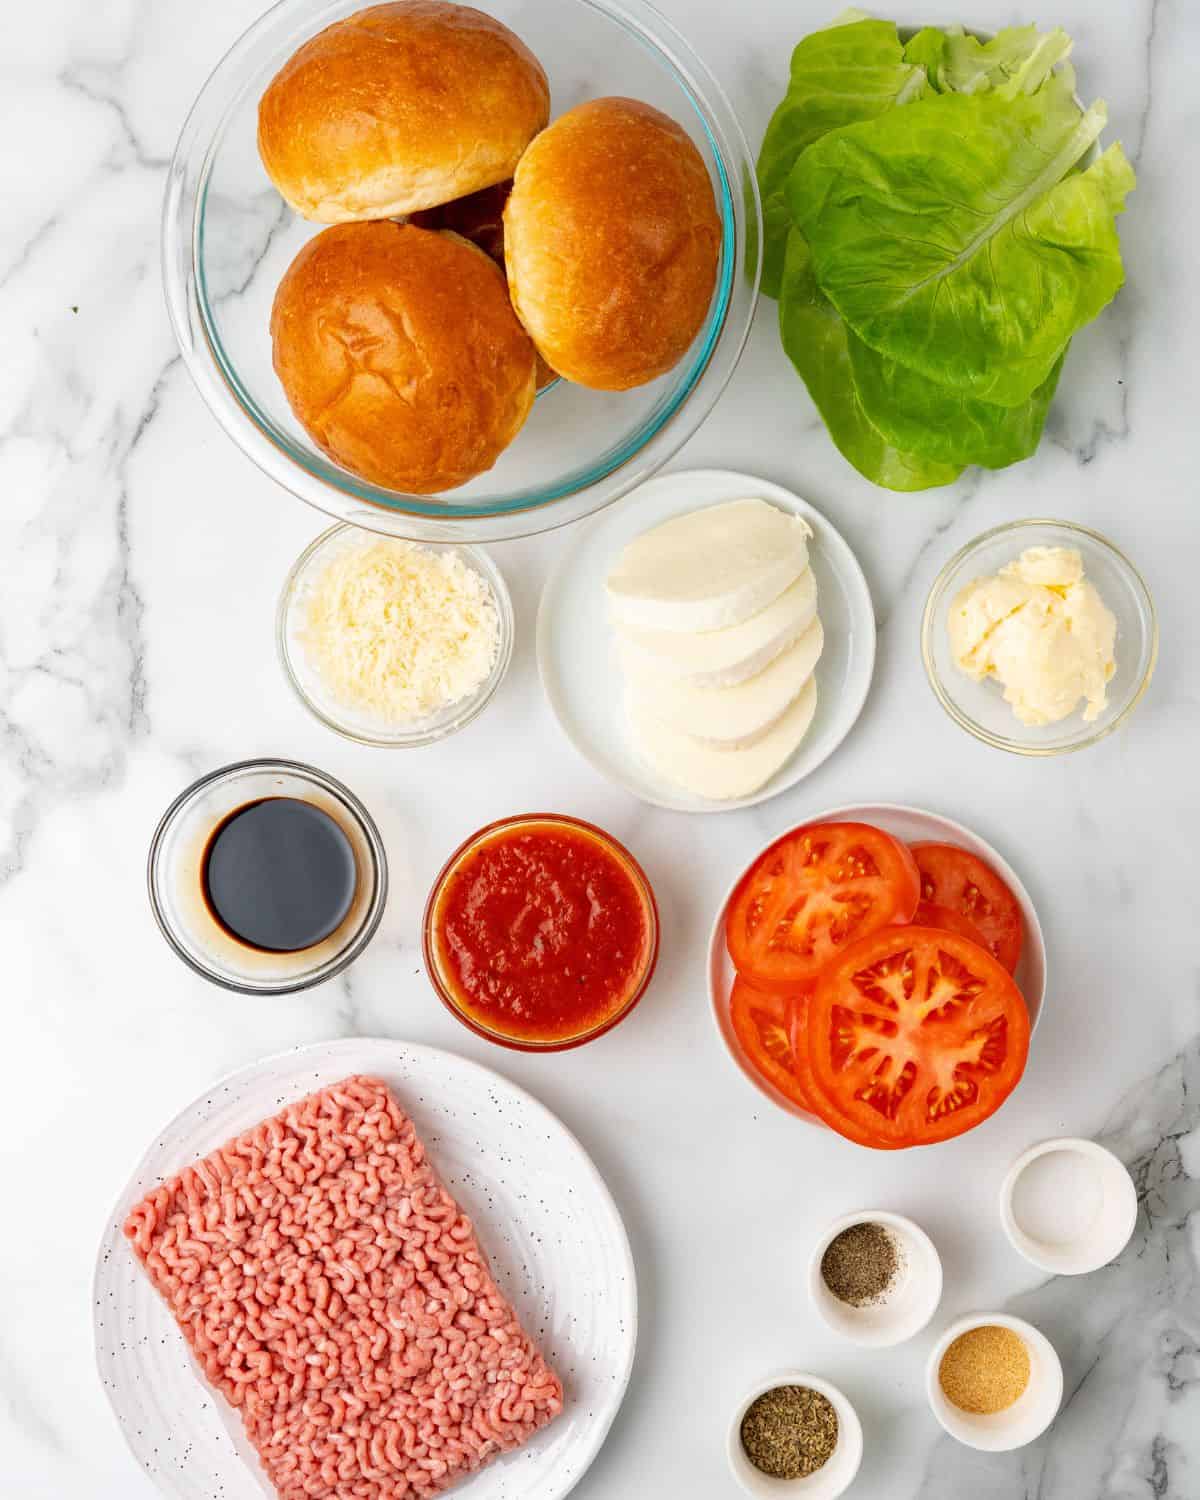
point(479, 217)
point(400, 354)
point(611, 241)
point(399, 107)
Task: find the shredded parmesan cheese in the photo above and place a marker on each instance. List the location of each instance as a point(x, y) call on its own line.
point(397, 632)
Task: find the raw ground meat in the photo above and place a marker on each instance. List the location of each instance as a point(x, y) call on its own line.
point(334, 1292)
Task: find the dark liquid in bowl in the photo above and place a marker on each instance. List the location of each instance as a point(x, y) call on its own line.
point(279, 875)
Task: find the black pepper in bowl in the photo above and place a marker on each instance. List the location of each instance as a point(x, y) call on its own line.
point(862, 1264)
point(789, 1432)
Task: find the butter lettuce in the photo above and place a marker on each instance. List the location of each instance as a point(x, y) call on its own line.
point(957, 63)
point(939, 225)
point(941, 423)
point(954, 237)
point(814, 339)
point(854, 70)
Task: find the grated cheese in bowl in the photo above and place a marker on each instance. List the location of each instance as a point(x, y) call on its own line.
point(388, 635)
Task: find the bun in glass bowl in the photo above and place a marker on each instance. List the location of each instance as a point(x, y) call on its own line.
point(228, 238)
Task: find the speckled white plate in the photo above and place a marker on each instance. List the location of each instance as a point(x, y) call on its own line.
point(578, 661)
point(913, 825)
point(548, 1224)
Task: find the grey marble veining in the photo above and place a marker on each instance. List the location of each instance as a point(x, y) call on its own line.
point(140, 555)
point(1128, 1336)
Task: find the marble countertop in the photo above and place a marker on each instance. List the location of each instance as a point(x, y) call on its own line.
point(140, 555)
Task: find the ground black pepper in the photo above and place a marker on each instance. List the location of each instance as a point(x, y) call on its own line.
point(860, 1265)
point(789, 1431)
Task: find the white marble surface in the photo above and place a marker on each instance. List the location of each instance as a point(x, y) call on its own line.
point(139, 559)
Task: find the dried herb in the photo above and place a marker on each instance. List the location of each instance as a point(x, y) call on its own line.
point(789, 1432)
point(861, 1265)
point(985, 1369)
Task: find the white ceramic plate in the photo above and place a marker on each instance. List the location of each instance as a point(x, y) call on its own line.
point(576, 650)
point(912, 825)
point(550, 1229)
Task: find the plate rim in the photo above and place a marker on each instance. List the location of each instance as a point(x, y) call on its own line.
point(112, 1224)
point(853, 812)
point(769, 490)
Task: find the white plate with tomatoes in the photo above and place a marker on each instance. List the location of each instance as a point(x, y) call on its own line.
point(889, 973)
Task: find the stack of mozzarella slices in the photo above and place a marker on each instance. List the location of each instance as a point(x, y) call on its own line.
point(715, 613)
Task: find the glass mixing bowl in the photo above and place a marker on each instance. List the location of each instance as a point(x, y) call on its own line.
point(228, 237)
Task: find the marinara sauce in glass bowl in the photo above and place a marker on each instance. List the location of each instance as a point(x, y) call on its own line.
point(541, 932)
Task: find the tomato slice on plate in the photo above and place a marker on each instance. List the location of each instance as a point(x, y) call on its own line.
point(945, 919)
point(803, 1068)
point(960, 881)
point(811, 894)
point(914, 1036)
point(763, 1024)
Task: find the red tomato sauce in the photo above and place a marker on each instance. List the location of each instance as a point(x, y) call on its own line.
point(542, 932)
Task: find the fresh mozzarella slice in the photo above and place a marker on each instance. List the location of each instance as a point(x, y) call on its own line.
point(732, 716)
point(720, 775)
point(709, 569)
point(723, 658)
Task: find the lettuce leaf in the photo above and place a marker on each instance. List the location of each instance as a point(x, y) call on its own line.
point(940, 423)
point(958, 63)
point(814, 339)
point(954, 238)
point(853, 70)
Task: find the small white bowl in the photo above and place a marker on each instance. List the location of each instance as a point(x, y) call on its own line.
point(908, 1306)
point(835, 1475)
point(1028, 1416)
point(1068, 1206)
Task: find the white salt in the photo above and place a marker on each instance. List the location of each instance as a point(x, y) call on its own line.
point(1058, 1197)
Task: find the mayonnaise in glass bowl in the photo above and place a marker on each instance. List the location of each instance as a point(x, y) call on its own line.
point(980, 707)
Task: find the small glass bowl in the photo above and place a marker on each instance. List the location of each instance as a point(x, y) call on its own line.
point(433, 965)
point(343, 721)
point(176, 894)
point(979, 707)
point(228, 237)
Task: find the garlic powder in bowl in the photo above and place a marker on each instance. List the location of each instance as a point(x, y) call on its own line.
point(391, 642)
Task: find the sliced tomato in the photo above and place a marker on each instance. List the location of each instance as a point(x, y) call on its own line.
point(945, 919)
point(802, 1065)
point(961, 881)
point(763, 1024)
point(914, 1035)
point(813, 892)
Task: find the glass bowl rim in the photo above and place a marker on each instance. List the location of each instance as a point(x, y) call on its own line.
point(378, 865)
point(633, 869)
point(471, 708)
point(525, 509)
point(929, 624)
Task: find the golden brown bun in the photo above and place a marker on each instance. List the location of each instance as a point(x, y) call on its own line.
point(479, 217)
point(611, 241)
point(397, 108)
point(401, 355)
